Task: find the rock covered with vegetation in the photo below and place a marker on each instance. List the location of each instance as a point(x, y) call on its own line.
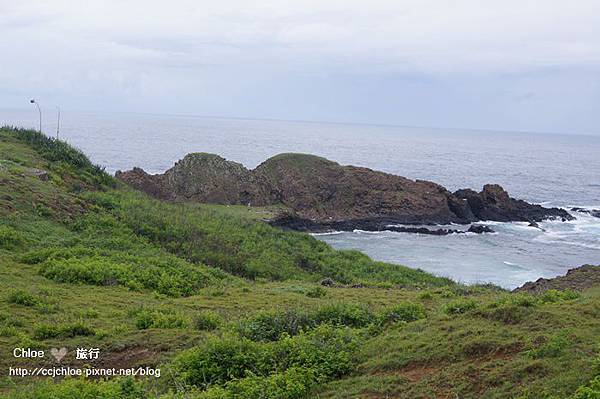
point(320, 194)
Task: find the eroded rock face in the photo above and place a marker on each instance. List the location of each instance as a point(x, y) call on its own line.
point(322, 194)
point(139, 179)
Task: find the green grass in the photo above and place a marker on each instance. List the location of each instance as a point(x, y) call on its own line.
point(229, 307)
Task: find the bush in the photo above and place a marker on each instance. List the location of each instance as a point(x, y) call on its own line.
point(327, 350)
point(342, 314)
point(98, 266)
point(506, 313)
point(47, 331)
point(554, 347)
point(159, 319)
point(523, 300)
point(270, 325)
point(294, 383)
point(589, 391)
point(316, 292)
point(9, 320)
point(555, 296)
point(22, 297)
point(207, 321)
point(319, 355)
point(459, 306)
point(402, 312)
point(219, 360)
point(10, 238)
point(95, 271)
point(9, 331)
point(80, 388)
point(76, 330)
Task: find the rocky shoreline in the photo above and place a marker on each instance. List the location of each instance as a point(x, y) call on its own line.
point(290, 222)
point(321, 195)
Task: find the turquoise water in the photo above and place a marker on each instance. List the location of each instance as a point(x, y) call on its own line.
point(555, 170)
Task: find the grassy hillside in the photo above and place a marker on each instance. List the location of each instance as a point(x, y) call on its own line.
point(229, 307)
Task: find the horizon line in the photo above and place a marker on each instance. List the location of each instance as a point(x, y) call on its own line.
point(328, 122)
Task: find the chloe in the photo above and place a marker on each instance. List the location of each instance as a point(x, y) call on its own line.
point(27, 353)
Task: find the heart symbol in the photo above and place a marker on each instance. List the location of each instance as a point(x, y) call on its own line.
point(58, 353)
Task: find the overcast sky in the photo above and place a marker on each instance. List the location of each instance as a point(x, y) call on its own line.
point(497, 64)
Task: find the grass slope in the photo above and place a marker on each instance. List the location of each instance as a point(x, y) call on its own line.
point(229, 307)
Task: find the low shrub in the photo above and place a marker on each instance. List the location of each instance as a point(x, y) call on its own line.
point(316, 292)
point(10, 238)
point(95, 271)
point(425, 296)
point(80, 388)
point(554, 347)
point(46, 331)
point(343, 314)
point(8, 331)
point(328, 351)
point(22, 297)
point(9, 320)
point(219, 360)
point(555, 296)
point(207, 321)
point(402, 312)
point(506, 313)
point(165, 275)
point(294, 383)
point(523, 300)
point(459, 306)
point(49, 331)
point(159, 319)
point(270, 325)
point(76, 330)
point(231, 362)
point(589, 391)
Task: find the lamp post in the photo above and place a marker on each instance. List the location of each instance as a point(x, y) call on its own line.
point(32, 101)
point(57, 121)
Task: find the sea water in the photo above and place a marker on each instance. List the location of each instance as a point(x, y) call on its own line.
point(551, 169)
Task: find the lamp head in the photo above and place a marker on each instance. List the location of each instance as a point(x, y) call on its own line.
point(32, 101)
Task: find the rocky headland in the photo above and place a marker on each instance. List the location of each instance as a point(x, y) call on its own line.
point(322, 195)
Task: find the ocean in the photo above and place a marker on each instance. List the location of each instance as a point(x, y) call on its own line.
point(550, 169)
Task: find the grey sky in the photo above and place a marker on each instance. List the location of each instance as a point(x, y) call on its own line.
point(510, 64)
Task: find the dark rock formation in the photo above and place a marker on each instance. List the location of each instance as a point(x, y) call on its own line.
point(592, 212)
point(323, 195)
point(327, 282)
point(578, 278)
point(290, 222)
point(480, 229)
point(494, 203)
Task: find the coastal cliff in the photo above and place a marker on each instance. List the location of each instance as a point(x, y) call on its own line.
point(322, 195)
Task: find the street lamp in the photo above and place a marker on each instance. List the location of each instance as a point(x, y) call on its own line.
point(57, 121)
point(32, 101)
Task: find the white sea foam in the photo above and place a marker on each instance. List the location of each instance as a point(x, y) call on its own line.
point(366, 232)
point(514, 265)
